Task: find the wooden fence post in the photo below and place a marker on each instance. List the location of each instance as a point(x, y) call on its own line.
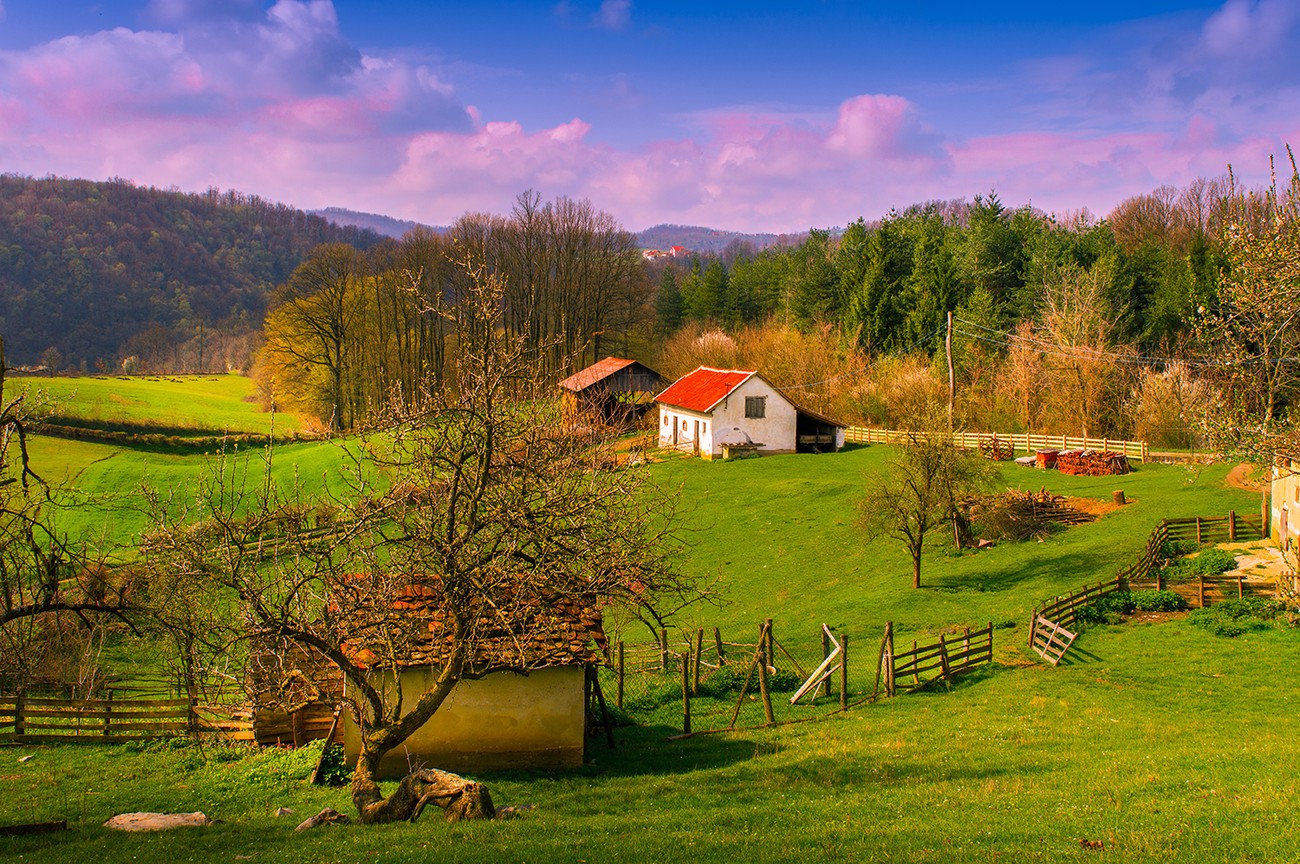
point(686, 692)
point(844, 671)
point(20, 706)
point(762, 687)
point(1033, 625)
point(889, 669)
point(695, 662)
point(663, 649)
point(1199, 541)
point(717, 642)
point(1240, 587)
point(825, 688)
point(108, 713)
point(943, 662)
point(1264, 517)
point(1232, 526)
point(1200, 592)
point(769, 649)
point(618, 693)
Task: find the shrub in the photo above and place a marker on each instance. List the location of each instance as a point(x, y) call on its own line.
point(1107, 609)
point(729, 679)
point(1212, 562)
point(1175, 548)
point(1235, 617)
point(1158, 601)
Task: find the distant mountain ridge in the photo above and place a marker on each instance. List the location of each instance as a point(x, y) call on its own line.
point(697, 238)
point(694, 238)
point(383, 225)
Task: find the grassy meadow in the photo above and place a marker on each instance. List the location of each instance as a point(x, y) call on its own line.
point(1157, 740)
point(175, 405)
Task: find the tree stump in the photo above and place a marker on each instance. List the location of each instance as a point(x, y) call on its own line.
point(1118, 496)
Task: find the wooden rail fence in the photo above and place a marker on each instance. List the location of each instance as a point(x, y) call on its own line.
point(38, 720)
point(1027, 442)
point(935, 661)
point(1049, 623)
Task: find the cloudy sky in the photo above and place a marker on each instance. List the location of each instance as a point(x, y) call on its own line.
point(749, 116)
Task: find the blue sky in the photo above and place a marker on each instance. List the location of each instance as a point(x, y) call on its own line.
point(751, 116)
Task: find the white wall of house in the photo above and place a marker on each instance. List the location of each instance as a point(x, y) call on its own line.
point(689, 425)
point(1285, 505)
point(775, 430)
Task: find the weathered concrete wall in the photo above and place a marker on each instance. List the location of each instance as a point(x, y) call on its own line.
point(501, 721)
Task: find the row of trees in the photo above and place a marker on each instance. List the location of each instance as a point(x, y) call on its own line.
point(348, 330)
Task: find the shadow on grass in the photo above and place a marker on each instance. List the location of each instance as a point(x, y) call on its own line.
point(645, 751)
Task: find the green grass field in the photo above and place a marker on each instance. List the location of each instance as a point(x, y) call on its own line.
point(1160, 741)
point(179, 405)
point(102, 483)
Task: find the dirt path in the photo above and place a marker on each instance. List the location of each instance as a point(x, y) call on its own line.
point(1244, 476)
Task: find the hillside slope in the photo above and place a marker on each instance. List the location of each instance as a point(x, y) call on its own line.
point(86, 266)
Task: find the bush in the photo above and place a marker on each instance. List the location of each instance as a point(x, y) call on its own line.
point(1158, 601)
point(727, 681)
point(1107, 609)
point(1212, 562)
point(1176, 548)
point(1235, 617)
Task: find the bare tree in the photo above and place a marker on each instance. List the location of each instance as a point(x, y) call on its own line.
point(921, 488)
point(1253, 332)
point(469, 503)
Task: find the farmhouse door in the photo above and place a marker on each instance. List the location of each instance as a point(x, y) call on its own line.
point(696, 439)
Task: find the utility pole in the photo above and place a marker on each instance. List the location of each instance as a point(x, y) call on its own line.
point(952, 378)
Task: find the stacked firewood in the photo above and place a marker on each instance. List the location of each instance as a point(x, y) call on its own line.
point(1091, 463)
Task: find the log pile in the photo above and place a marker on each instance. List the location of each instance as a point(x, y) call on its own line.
point(1016, 515)
point(1091, 463)
point(996, 449)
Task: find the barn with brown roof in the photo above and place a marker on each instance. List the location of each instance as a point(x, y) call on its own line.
point(613, 392)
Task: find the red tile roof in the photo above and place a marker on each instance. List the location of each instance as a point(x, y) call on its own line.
point(598, 371)
point(702, 389)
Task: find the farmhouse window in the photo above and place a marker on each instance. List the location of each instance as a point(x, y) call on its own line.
point(704, 427)
point(755, 407)
point(665, 420)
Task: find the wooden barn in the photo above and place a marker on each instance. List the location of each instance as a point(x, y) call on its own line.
point(613, 392)
point(730, 412)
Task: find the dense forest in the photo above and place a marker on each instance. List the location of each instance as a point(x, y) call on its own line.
point(98, 272)
point(1136, 324)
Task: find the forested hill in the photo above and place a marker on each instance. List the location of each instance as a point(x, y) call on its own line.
point(87, 267)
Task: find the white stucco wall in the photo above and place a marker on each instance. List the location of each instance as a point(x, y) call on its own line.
point(684, 421)
point(775, 430)
point(1285, 497)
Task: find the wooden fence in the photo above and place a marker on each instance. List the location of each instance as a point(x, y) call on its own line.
point(1026, 442)
point(935, 661)
point(1049, 624)
point(38, 720)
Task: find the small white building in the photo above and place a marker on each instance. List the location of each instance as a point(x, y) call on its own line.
point(709, 410)
point(1284, 496)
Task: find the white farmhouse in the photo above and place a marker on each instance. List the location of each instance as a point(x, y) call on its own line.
point(716, 412)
